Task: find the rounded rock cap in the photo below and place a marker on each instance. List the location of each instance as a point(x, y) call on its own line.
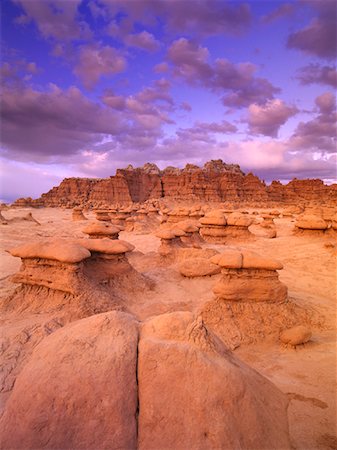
point(106, 246)
point(170, 234)
point(244, 259)
point(100, 228)
point(239, 220)
point(229, 259)
point(220, 221)
point(296, 335)
point(311, 222)
point(58, 250)
point(252, 260)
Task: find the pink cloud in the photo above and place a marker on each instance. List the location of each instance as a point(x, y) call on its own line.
point(204, 131)
point(318, 134)
point(161, 68)
point(284, 10)
point(267, 119)
point(209, 17)
point(237, 81)
point(143, 40)
point(186, 106)
point(43, 125)
point(317, 74)
point(190, 60)
point(59, 20)
point(147, 109)
point(96, 61)
point(319, 37)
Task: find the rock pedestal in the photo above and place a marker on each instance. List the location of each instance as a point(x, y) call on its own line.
point(310, 225)
point(78, 214)
point(101, 230)
point(248, 277)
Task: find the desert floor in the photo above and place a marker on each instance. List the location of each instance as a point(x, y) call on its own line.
point(306, 374)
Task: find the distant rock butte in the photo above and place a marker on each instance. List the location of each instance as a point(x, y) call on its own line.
point(215, 182)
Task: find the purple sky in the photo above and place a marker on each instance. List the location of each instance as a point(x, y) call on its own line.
point(91, 86)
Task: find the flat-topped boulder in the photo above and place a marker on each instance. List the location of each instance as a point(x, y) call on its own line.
point(106, 246)
point(170, 241)
point(213, 226)
point(178, 214)
point(248, 277)
point(191, 229)
point(198, 267)
point(310, 224)
point(99, 230)
point(71, 266)
point(103, 215)
point(56, 249)
point(228, 259)
point(219, 227)
point(237, 219)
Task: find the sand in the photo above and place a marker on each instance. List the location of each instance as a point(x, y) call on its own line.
point(306, 374)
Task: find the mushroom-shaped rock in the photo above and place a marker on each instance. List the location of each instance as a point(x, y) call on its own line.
point(296, 335)
point(73, 266)
point(248, 277)
point(170, 242)
point(239, 220)
point(198, 267)
point(103, 215)
point(78, 214)
point(78, 390)
point(188, 226)
point(57, 249)
point(310, 223)
point(195, 394)
point(213, 220)
point(178, 232)
point(55, 264)
point(191, 237)
point(178, 214)
point(101, 230)
point(165, 234)
point(213, 226)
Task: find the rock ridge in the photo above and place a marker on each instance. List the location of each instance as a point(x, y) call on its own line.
point(215, 182)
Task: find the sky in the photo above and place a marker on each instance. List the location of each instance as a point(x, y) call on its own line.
point(89, 86)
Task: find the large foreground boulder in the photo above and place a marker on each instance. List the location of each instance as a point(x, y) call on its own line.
point(194, 394)
point(108, 382)
point(79, 390)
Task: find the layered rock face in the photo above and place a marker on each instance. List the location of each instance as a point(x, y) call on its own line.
point(214, 182)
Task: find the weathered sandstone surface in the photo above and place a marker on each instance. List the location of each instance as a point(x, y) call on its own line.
point(110, 382)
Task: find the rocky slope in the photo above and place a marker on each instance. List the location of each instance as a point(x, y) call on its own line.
point(214, 182)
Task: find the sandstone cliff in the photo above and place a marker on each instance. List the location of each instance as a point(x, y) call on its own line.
point(215, 182)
